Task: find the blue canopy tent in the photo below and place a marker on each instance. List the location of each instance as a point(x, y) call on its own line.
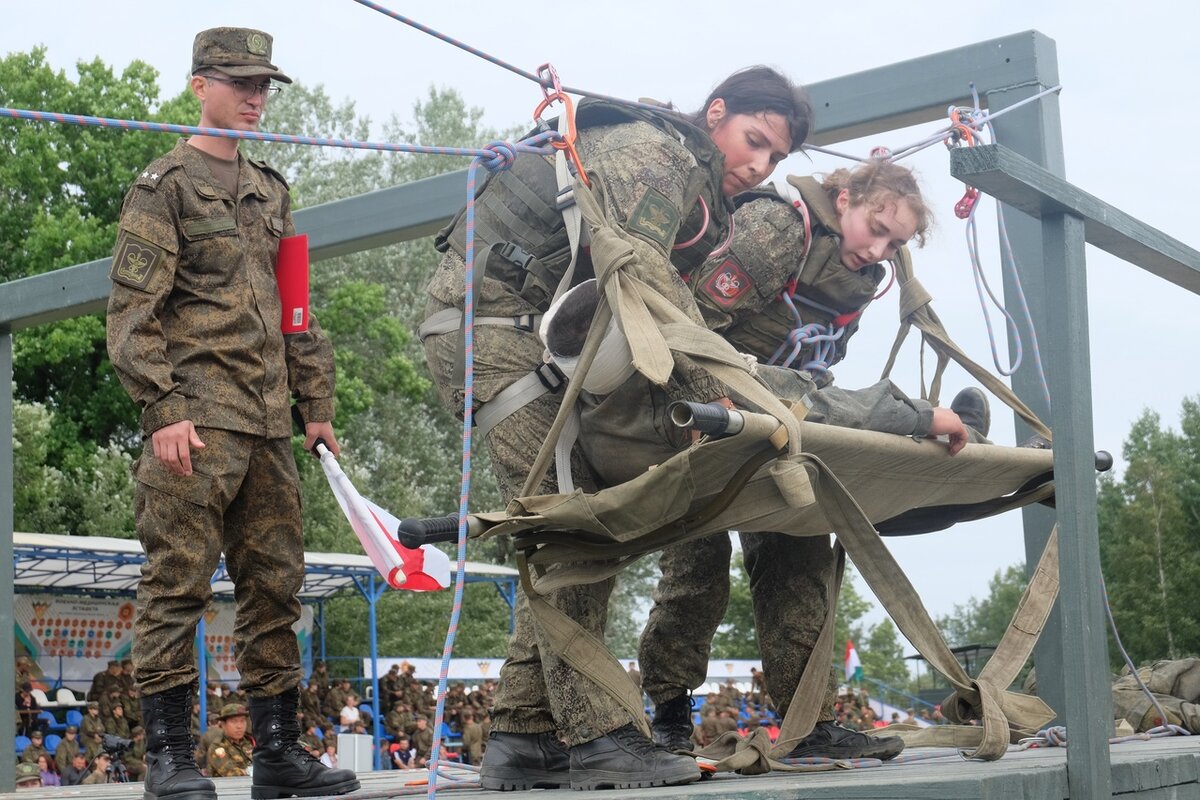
point(101, 566)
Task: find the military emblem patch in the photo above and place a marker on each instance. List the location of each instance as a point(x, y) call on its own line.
point(655, 218)
point(727, 284)
point(135, 261)
point(256, 43)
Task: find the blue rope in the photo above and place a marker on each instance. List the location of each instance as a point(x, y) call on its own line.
point(823, 338)
point(501, 156)
point(84, 120)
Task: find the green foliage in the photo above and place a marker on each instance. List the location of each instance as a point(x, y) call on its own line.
point(1150, 539)
point(985, 621)
point(737, 637)
point(414, 624)
point(61, 188)
point(882, 655)
point(93, 498)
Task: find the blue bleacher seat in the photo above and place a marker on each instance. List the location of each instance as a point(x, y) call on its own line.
point(22, 743)
point(51, 724)
point(366, 708)
point(74, 717)
point(52, 741)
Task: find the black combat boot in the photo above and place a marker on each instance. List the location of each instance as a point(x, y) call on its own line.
point(282, 766)
point(171, 772)
point(672, 726)
point(520, 761)
point(830, 740)
point(626, 759)
point(972, 408)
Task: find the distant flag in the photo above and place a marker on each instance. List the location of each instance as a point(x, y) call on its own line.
point(853, 665)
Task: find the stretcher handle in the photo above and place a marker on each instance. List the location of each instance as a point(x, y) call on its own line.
point(413, 533)
point(298, 418)
point(1104, 459)
point(711, 418)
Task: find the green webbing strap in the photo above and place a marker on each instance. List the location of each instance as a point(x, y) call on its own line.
point(583, 651)
point(752, 755)
point(809, 696)
point(879, 569)
point(915, 310)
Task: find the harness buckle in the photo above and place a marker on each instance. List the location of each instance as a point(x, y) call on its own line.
point(524, 323)
point(565, 198)
point(515, 254)
point(551, 376)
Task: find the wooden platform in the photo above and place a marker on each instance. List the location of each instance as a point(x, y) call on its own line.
point(1162, 769)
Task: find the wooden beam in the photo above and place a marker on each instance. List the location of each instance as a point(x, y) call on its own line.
point(1024, 185)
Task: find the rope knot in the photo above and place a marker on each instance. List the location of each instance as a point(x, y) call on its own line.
point(502, 158)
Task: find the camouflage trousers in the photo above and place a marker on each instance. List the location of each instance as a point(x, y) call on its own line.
point(243, 498)
point(538, 692)
point(789, 579)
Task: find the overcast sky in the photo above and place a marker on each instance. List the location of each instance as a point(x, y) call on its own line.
point(1129, 122)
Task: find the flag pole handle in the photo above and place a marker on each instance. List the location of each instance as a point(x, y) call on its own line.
point(413, 533)
point(299, 420)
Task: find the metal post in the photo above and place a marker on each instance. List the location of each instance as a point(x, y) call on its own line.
point(376, 591)
point(8, 677)
point(1084, 644)
point(371, 593)
point(1034, 131)
point(202, 660)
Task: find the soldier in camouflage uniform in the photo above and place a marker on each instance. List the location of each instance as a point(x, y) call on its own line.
point(230, 755)
point(773, 251)
point(68, 746)
point(91, 722)
point(101, 763)
point(35, 749)
point(194, 334)
point(116, 724)
point(135, 757)
point(664, 181)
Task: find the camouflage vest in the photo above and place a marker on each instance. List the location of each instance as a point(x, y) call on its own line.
point(835, 296)
point(516, 211)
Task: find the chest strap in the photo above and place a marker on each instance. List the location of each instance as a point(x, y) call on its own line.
point(449, 320)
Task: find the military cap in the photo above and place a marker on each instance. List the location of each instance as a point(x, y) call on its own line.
point(35, 734)
point(114, 663)
point(240, 52)
point(233, 710)
point(28, 772)
point(93, 704)
point(136, 730)
point(72, 729)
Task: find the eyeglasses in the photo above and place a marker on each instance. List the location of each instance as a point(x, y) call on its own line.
point(245, 89)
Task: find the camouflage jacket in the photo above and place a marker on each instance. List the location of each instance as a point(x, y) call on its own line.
point(649, 176)
point(194, 314)
point(740, 292)
point(228, 759)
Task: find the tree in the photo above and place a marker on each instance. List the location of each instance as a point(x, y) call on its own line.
point(882, 655)
point(1150, 539)
point(985, 621)
point(737, 636)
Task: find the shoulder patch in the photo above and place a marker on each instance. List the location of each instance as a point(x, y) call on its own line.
point(727, 283)
point(219, 752)
point(152, 176)
point(134, 261)
point(655, 217)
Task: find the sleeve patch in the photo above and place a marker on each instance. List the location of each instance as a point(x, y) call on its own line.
point(135, 261)
point(727, 284)
point(656, 218)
